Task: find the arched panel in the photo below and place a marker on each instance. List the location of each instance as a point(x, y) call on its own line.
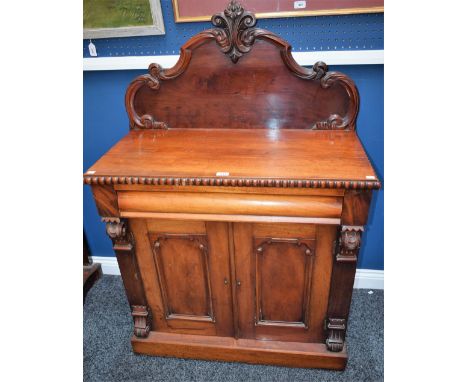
point(238, 76)
point(283, 281)
point(182, 265)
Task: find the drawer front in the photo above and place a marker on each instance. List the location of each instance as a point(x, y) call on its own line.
point(230, 204)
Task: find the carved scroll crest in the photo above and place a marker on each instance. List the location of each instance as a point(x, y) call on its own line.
point(233, 33)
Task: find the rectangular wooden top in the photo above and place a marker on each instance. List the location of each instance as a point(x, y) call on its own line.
point(256, 154)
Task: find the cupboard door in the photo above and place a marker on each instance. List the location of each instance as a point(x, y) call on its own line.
point(283, 274)
point(186, 273)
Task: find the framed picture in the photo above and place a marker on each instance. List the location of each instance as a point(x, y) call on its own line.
point(122, 18)
point(201, 10)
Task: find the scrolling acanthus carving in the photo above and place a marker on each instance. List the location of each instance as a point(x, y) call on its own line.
point(233, 33)
point(335, 121)
point(152, 80)
point(349, 243)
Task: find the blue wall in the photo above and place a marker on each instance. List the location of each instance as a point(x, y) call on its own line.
point(328, 33)
point(105, 119)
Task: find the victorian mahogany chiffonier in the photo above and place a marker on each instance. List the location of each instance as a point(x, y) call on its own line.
point(237, 201)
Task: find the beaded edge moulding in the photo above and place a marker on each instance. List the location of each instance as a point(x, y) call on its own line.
point(232, 182)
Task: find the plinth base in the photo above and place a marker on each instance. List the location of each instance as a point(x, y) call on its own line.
point(292, 354)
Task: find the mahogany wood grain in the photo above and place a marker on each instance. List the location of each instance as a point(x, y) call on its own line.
point(246, 190)
point(244, 154)
point(233, 280)
point(260, 90)
point(148, 273)
point(282, 281)
point(354, 216)
point(129, 270)
point(182, 266)
point(284, 229)
point(176, 226)
point(280, 294)
point(321, 279)
point(242, 236)
point(229, 218)
point(228, 204)
point(341, 289)
point(251, 70)
point(192, 284)
point(220, 270)
point(105, 198)
point(292, 354)
point(356, 207)
point(232, 190)
point(120, 232)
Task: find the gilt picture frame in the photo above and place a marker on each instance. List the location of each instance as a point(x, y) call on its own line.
point(201, 10)
point(124, 18)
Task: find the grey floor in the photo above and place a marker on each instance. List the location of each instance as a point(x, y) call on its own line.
point(108, 354)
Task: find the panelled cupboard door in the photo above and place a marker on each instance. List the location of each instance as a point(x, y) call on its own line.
point(186, 275)
point(283, 274)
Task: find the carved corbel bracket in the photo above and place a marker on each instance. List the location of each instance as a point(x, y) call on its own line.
point(117, 230)
point(141, 320)
point(336, 328)
point(349, 243)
